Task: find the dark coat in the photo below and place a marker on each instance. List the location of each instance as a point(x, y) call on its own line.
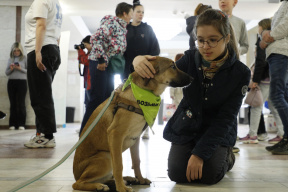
point(141, 40)
point(190, 21)
point(214, 113)
point(261, 69)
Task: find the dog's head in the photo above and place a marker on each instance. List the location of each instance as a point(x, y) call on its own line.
point(167, 74)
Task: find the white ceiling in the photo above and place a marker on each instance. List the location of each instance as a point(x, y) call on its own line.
point(91, 12)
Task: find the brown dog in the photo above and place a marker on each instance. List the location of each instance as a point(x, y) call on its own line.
point(101, 152)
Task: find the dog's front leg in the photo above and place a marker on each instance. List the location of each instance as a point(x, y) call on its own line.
point(115, 139)
point(134, 150)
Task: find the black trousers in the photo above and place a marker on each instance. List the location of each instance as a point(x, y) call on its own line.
point(213, 170)
point(40, 87)
point(17, 89)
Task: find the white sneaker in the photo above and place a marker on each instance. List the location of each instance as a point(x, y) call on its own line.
point(263, 137)
point(21, 128)
point(12, 128)
point(40, 142)
point(146, 134)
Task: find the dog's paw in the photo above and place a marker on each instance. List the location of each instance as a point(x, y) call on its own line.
point(144, 181)
point(125, 189)
point(131, 181)
point(101, 187)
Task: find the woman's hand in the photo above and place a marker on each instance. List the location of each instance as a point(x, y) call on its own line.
point(267, 37)
point(102, 66)
point(263, 45)
point(143, 67)
point(17, 67)
point(12, 67)
point(39, 63)
point(254, 85)
point(194, 168)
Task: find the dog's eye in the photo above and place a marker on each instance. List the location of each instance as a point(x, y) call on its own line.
point(173, 66)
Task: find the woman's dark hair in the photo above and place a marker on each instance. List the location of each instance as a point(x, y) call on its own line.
point(136, 3)
point(201, 8)
point(220, 22)
point(123, 8)
point(86, 39)
point(265, 24)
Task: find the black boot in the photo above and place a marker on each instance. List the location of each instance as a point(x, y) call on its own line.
point(282, 147)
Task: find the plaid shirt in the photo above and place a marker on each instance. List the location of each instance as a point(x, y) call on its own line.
point(109, 39)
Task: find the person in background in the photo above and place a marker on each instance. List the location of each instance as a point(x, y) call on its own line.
point(240, 31)
point(261, 79)
point(203, 129)
point(176, 94)
point(83, 59)
point(43, 23)
point(17, 86)
point(141, 40)
point(109, 40)
point(190, 21)
point(275, 41)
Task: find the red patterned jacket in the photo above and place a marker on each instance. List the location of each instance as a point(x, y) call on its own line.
point(109, 39)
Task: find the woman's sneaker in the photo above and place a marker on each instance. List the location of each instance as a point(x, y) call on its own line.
point(249, 140)
point(275, 140)
point(40, 142)
point(12, 128)
point(262, 137)
point(21, 128)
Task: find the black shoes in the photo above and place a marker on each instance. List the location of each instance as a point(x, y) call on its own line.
point(2, 115)
point(280, 148)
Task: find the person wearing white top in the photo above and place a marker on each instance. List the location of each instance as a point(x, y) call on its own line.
point(42, 35)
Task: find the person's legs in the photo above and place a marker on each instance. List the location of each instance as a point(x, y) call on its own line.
point(97, 92)
point(279, 125)
point(256, 112)
point(22, 90)
point(278, 86)
point(278, 94)
point(213, 170)
point(40, 88)
point(12, 97)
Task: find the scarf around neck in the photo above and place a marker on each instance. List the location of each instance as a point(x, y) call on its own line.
point(211, 67)
point(148, 102)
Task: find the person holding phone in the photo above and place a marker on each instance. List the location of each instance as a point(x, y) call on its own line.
point(17, 86)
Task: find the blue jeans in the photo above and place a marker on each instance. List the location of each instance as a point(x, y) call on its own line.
point(278, 67)
point(102, 84)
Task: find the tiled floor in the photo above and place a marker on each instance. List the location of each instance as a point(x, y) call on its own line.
point(256, 170)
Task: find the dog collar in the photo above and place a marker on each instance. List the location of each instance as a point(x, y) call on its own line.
point(148, 101)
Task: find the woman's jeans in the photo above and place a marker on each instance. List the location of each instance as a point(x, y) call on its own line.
point(278, 68)
point(17, 89)
point(255, 114)
point(102, 84)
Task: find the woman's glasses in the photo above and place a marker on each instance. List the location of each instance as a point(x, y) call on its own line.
point(211, 42)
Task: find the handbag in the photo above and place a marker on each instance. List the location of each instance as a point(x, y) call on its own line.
point(254, 97)
point(116, 65)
